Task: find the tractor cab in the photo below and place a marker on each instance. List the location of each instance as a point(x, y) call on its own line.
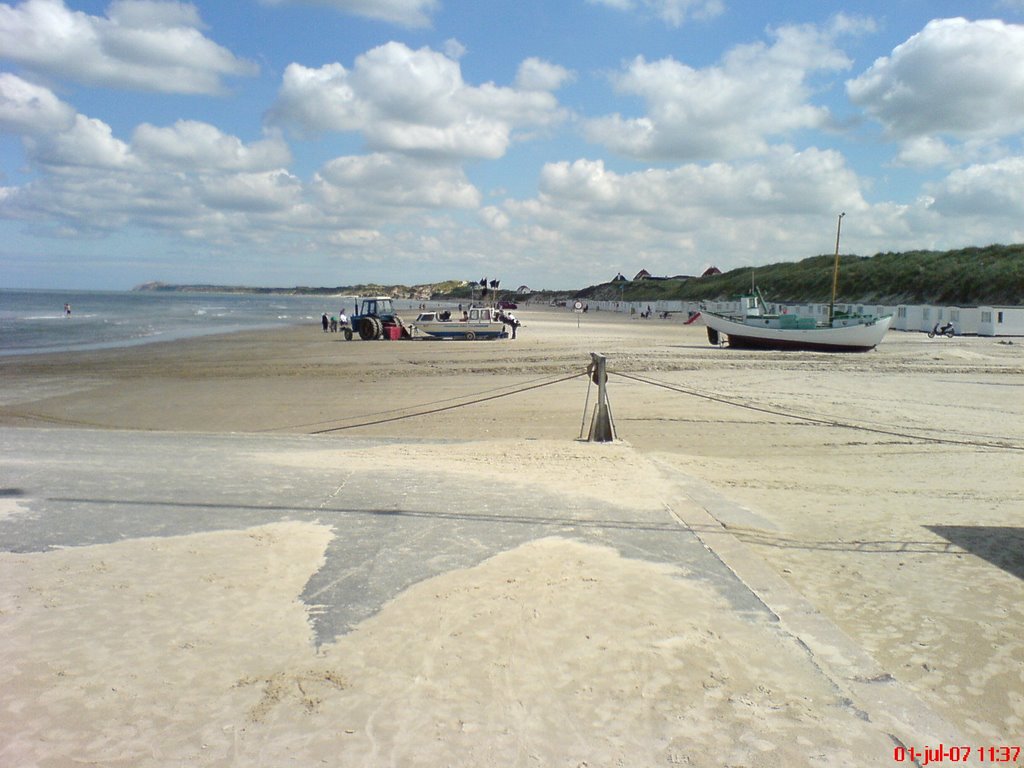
point(377, 306)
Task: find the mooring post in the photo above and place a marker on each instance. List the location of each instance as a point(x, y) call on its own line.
point(602, 429)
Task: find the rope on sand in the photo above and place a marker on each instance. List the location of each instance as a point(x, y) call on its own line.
point(1004, 444)
point(441, 409)
point(389, 411)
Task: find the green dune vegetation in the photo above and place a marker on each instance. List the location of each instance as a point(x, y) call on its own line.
point(993, 275)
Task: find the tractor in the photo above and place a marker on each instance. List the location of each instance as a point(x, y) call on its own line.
point(376, 319)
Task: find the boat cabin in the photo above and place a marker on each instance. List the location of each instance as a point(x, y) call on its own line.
point(472, 315)
point(751, 306)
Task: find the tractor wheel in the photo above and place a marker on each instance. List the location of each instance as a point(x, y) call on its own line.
point(368, 328)
point(380, 328)
point(470, 336)
point(348, 334)
point(713, 336)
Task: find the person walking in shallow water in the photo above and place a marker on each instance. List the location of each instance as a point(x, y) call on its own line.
point(67, 310)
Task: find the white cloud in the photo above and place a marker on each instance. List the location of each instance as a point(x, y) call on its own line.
point(251, 192)
point(354, 238)
point(53, 134)
point(193, 144)
point(785, 182)
point(588, 217)
point(56, 136)
point(454, 49)
point(494, 217)
point(924, 151)
point(726, 111)
point(88, 143)
point(984, 190)
point(391, 181)
point(192, 179)
point(672, 12)
point(141, 44)
point(407, 13)
point(26, 108)
point(538, 75)
point(956, 77)
point(162, 14)
point(927, 152)
point(414, 102)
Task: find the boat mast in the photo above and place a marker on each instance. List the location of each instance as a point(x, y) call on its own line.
point(835, 270)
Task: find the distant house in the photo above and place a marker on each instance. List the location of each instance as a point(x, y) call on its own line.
point(711, 271)
point(643, 274)
point(620, 278)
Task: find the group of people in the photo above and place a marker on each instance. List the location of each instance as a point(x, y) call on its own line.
point(334, 323)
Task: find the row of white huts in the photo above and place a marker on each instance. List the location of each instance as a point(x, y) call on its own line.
point(973, 321)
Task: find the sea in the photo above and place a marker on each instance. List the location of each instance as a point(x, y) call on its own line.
point(34, 321)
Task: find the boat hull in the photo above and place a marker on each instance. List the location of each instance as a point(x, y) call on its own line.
point(856, 337)
point(460, 330)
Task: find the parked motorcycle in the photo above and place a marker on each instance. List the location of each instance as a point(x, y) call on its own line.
point(947, 330)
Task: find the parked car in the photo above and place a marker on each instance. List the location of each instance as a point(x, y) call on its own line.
point(507, 305)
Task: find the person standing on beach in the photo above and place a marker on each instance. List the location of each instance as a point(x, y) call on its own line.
point(325, 321)
point(513, 322)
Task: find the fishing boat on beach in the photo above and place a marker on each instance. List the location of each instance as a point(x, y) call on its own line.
point(474, 323)
point(754, 327)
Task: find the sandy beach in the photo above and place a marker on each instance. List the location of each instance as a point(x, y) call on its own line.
point(865, 509)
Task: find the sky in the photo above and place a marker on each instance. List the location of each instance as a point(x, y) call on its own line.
point(545, 143)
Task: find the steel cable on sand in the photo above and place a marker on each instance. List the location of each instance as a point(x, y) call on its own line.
point(1007, 445)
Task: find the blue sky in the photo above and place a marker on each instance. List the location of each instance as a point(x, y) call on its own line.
point(551, 144)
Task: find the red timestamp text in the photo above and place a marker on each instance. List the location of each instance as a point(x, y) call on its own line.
point(945, 753)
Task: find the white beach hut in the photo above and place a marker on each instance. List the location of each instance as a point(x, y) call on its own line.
point(1001, 321)
point(966, 320)
point(909, 317)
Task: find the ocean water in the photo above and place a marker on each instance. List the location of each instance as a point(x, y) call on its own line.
point(35, 321)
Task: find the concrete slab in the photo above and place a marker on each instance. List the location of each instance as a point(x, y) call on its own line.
point(393, 528)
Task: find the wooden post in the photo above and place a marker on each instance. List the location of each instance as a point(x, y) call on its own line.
point(602, 430)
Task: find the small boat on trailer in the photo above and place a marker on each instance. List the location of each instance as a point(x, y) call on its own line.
point(474, 323)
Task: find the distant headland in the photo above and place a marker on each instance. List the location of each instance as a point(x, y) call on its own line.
point(417, 292)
